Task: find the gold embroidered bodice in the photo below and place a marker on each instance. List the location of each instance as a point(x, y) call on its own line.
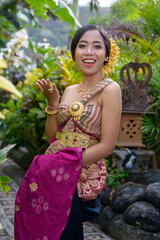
point(89, 122)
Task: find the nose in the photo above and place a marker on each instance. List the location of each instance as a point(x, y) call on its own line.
point(89, 50)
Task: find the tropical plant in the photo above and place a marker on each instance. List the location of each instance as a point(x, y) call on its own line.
point(28, 111)
point(135, 22)
point(151, 130)
point(138, 18)
point(15, 15)
point(4, 180)
point(58, 8)
point(12, 51)
point(6, 84)
point(151, 119)
point(115, 179)
point(70, 74)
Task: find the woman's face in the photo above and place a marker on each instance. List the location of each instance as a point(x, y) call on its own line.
point(90, 52)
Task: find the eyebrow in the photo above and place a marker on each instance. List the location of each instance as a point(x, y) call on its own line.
point(93, 41)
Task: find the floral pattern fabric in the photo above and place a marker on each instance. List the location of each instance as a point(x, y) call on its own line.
point(44, 199)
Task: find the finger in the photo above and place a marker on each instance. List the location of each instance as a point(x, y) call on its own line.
point(54, 86)
point(41, 83)
point(48, 82)
point(46, 86)
point(41, 88)
point(44, 82)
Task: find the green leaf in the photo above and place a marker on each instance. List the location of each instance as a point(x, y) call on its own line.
point(62, 10)
point(4, 151)
point(38, 7)
point(66, 14)
point(2, 44)
point(5, 188)
point(7, 85)
point(2, 116)
point(4, 179)
point(52, 4)
point(110, 181)
point(10, 17)
point(73, 33)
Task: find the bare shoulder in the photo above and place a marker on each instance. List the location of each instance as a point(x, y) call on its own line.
point(112, 95)
point(113, 86)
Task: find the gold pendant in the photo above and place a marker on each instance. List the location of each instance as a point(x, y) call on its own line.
point(76, 110)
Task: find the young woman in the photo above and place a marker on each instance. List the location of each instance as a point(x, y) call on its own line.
point(83, 125)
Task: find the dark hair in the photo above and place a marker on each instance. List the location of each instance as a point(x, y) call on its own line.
point(86, 28)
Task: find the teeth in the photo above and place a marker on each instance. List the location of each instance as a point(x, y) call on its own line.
point(89, 61)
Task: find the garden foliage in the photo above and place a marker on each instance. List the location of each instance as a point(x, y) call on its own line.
point(25, 118)
point(136, 23)
point(4, 180)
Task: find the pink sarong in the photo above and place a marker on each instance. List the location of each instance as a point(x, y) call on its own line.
point(44, 199)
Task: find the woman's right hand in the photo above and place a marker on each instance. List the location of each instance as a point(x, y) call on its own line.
point(53, 95)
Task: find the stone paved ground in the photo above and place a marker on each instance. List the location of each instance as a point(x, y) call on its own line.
point(10, 168)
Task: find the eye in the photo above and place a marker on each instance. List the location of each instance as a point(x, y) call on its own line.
point(97, 46)
point(81, 45)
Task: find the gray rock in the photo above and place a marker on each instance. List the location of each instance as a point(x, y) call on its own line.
point(153, 193)
point(105, 218)
point(21, 156)
point(119, 230)
point(105, 196)
point(126, 195)
point(144, 215)
point(146, 177)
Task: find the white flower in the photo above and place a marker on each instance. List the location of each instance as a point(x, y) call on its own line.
point(21, 53)
point(22, 37)
point(1, 55)
point(44, 45)
point(11, 43)
point(16, 63)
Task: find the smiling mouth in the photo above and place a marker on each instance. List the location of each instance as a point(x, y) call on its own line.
point(89, 61)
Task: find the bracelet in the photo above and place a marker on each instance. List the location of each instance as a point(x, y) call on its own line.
point(51, 112)
point(52, 108)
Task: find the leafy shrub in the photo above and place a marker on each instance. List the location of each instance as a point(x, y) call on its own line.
point(25, 119)
point(4, 180)
point(115, 179)
point(151, 121)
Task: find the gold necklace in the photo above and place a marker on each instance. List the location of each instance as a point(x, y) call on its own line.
point(81, 91)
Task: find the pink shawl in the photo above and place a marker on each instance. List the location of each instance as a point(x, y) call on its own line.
point(44, 199)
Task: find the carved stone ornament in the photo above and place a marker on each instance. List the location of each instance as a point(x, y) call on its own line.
point(135, 77)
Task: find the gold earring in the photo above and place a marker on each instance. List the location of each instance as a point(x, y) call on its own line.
point(106, 59)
